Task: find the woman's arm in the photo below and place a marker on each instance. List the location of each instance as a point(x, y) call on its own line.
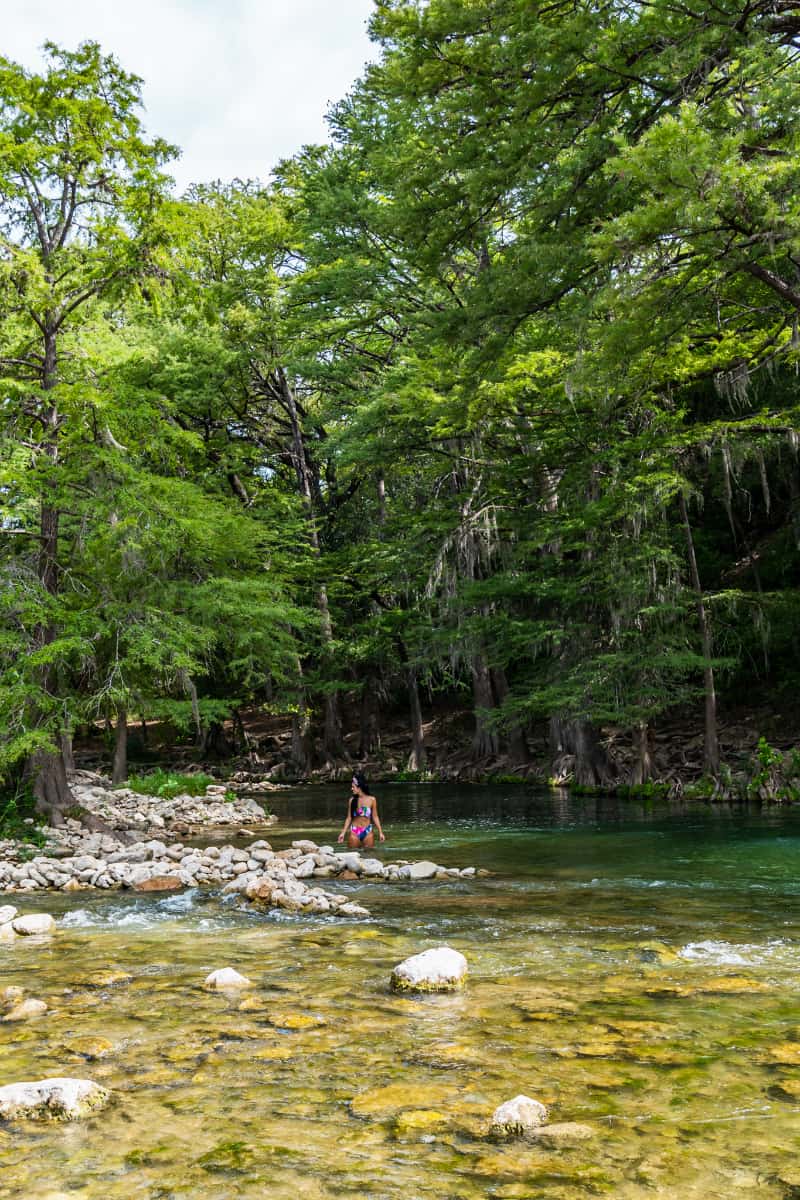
point(376, 821)
point(346, 825)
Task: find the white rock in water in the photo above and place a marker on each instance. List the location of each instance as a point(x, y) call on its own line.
point(7, 932)
point(419, 870)
point(7, 913)
point(34, 923)
point(51, 1099)
point(226, 977)
point(438, 970)
point(350, 861)
point(517, 1117)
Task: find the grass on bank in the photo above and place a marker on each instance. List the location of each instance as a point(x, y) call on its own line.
point(169, 784)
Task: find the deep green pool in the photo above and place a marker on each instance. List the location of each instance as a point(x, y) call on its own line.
point(636, 969)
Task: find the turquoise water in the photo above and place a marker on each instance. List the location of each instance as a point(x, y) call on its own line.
point(636, 969)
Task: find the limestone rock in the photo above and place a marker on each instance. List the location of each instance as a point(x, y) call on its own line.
point(25, 1010)
point(34, 923)
point(51, 1099)
point(517, 1117)
point(7, 933)
point(419, 870)
point(159, 883)
point(7, 913)
point(226, 978)
point(439, 970)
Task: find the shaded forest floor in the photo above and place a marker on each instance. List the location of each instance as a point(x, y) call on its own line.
point(260, 746)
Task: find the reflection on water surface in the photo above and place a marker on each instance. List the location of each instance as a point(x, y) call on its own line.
point(637, 970)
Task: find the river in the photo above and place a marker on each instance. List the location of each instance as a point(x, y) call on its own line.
point(634, 968)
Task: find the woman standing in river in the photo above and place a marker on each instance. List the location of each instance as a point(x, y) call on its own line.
point(362, 817)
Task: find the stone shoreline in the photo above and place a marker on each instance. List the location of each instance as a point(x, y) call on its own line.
point(76, 859)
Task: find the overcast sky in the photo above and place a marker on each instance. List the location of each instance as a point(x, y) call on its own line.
point(237, 84)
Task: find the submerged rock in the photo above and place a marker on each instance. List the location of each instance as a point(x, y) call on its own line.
point(226, 977)
point(517, 1117)
point(439, 970)
point(51, 1099)
point(25, 1010)
point(565, 1131)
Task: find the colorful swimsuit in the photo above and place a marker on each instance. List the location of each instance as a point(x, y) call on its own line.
point(362, 832)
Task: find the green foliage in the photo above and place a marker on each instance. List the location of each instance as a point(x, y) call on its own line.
point(494, 397)
point(168, 784)
point(18, 816)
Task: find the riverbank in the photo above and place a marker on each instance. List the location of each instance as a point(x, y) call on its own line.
point(759, 751)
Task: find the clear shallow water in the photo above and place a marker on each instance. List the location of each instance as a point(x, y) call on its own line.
point(637, 970)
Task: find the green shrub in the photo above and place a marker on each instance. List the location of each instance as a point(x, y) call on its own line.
point(18, 806)
point(169, 784)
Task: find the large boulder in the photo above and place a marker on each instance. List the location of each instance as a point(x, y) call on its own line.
point(226, 978)
point(418, 870)
point(34, 923)
point(517, 1117)
point(438, 970)
point(51, 1099)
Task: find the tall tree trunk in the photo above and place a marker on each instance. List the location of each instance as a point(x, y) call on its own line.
point(643, 766)
point(369, 740)
point(332, 735)
point(46, 769)
point(418, 758)
point(66, 751)
point(575, 745)
point(486, 743)
point(119, 771)
point(515, 738)
point(711, 747)
point(302, 749)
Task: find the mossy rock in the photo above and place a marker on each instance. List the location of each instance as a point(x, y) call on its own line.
point(647, 1029)
point(282, 1052)
point(227, 1157)
point(786, 1089)
point(295, 1021)
point(90, 1048)
point(606, 1049)
point(447, 1056)
point(731, 985)
point(109, 978)
point(658, 952)
point(517, 1163)
point(185, 1051)
point(420, 1120)
point(786, 1054)
point(385, 1102)
point(667, 991)
point(252, 1004)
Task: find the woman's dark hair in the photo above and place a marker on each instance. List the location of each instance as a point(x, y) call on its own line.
point(361, 781)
